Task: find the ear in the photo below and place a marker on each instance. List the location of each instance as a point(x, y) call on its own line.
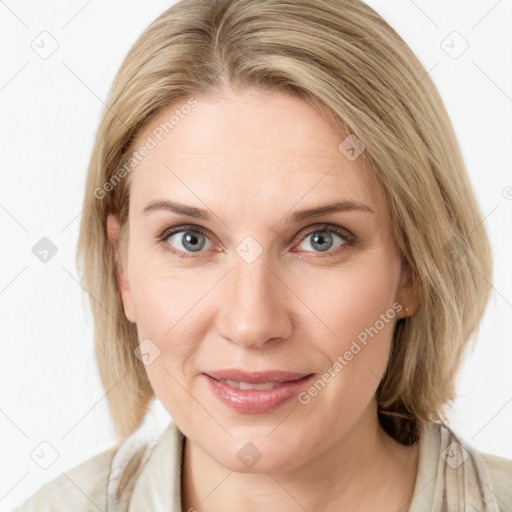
point(408, 292)
point(122, 283)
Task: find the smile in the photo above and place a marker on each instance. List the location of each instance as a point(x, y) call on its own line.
point(258, 393)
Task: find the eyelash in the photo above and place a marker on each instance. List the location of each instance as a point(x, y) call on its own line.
point(346, 235)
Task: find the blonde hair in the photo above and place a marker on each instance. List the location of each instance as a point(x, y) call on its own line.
point(343, 58)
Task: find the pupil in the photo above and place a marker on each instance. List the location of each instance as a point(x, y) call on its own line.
point(321, 240)
point(191, 242)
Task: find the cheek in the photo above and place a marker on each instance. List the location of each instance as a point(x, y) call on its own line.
point(170, 310)
point(358, 312)
point(346, 302)
point(163, 296)
point(164, 305)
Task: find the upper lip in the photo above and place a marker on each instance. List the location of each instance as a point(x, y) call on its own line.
point(256, 377)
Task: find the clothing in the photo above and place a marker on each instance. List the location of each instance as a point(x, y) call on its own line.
point(144, 475)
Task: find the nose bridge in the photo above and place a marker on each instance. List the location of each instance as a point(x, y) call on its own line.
point(254, 308)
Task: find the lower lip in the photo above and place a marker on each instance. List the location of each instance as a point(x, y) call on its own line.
point(256, 401)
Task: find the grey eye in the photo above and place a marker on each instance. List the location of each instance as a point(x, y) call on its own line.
point(190, 240)
point(323, 240)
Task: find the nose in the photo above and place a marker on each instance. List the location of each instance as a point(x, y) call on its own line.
point(255, 306)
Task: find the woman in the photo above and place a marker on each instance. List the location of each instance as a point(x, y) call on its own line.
point(282, 246)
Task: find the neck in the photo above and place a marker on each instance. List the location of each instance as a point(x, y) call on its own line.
point(363, 467)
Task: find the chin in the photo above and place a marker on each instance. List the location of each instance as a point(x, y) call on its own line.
point(259, 455)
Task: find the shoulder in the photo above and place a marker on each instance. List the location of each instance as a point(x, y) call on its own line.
point(82, 488)
point(499, 470)
point(466, 476)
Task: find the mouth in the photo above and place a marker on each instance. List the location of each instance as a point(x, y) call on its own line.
point(265, 378)
point(248, 385)
point(255, 392)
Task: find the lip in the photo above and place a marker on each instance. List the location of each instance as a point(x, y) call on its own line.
point(256, 377)
point(255, 401)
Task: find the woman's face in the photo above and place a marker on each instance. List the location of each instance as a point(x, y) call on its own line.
point(261, 288)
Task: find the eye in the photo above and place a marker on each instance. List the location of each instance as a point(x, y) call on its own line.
point(323, 239)
point(326, 238)
point(186, 239)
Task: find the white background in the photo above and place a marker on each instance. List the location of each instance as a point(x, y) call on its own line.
point(50, 108)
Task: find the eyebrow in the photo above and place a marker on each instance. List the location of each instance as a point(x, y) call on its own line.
point(294, 217)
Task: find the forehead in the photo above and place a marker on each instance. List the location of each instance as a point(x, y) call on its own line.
point(248, 148)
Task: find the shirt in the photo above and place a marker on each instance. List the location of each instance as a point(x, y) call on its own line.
point(143, 474)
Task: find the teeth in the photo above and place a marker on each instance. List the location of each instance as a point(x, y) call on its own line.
point(249, 385)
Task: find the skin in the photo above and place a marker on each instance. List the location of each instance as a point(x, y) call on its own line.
point(251, 157)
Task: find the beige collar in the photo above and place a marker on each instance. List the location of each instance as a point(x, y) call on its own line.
point(146, 474)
